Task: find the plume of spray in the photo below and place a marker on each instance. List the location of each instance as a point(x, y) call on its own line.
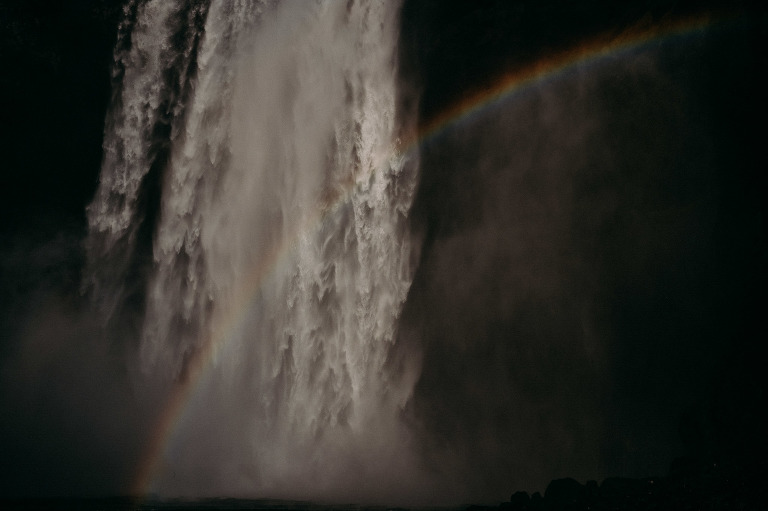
point(280, 248)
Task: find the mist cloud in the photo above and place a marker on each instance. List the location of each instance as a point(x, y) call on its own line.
point(562, 295)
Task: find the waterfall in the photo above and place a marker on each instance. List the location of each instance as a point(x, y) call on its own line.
point(258, 143)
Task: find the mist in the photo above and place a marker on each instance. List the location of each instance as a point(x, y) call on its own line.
point(273, 285)
point(578, 299)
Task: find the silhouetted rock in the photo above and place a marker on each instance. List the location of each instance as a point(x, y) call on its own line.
point(687, 466)
point(592, 491)
point(537, 502)
point(625, 493)
point(564, 494)
point(692, 484)
point(520, 501)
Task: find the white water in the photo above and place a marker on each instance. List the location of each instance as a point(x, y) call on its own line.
point(281, 239)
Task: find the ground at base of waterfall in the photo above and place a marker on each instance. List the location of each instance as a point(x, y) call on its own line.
point(690, 485)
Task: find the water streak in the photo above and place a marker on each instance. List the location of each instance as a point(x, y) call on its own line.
point(273, 128)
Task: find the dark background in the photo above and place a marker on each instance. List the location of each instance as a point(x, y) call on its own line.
point(589, 291)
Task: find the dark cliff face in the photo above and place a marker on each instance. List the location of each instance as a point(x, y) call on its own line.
point(56, 60)
point(54, 88)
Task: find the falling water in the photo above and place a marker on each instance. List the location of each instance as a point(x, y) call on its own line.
point(267, 133)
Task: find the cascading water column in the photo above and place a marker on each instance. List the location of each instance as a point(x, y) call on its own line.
point(281, 250)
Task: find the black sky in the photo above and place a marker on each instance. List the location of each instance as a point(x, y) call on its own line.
point(589, 293)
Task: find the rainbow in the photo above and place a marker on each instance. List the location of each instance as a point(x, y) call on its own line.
point(502, 88)
point(555, 65)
